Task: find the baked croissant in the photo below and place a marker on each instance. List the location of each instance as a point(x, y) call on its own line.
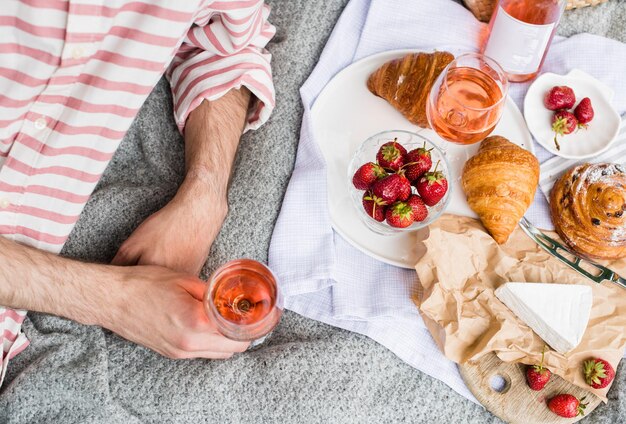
point(500, 183)
point(406, 82)
point(588, 209)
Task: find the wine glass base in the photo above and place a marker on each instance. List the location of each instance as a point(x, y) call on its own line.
point(257, 343)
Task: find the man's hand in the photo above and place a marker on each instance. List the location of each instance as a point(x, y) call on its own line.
point(180, 235)
point(150, 305)
point(163, 310)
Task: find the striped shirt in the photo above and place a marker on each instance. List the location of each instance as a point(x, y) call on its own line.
point(73, 75)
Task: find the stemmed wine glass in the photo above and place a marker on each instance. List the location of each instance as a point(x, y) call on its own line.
point(467, 99)
point(244, 301)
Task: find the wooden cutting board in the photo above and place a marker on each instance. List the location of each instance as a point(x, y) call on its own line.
point(516, 403)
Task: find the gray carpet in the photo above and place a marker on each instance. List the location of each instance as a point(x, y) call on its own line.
point(308, 372)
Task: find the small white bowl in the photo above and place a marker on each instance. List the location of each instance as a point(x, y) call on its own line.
point(367, 153)
point(582, 143)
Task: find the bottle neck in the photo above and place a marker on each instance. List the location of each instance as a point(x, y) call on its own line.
point(537, 12)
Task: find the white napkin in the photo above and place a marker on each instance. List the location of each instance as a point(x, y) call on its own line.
point(322, 275)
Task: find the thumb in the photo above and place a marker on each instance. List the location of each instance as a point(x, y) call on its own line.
point(195, 287)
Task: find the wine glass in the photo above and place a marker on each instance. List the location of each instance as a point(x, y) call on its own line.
point(467, 99)
point(244, 301)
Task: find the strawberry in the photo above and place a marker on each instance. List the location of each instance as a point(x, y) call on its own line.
point(419, 208)
point(390, 188)
point(391, 155)
point(432, 186)
point(563, 122)
point(418, 161)
point(367, 175)
point(566, 405)
point(374, 206)
point(404, 191)
point(400, 215)
point(559, 97)
point(598, 373)
point(538, 376)
point(584, 112)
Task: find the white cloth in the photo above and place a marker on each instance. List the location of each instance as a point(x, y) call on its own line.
point(324, 277)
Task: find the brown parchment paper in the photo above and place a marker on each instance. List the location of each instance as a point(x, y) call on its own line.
point(461, 269)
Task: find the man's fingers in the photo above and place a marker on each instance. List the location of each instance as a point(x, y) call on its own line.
point(209, 342)
point(125, 256)
point(223, 345)
point(181, 354)
point(196, 288)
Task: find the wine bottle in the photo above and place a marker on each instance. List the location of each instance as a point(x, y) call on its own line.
point(520, 33)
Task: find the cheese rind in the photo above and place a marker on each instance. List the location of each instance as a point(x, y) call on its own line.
point(558, 313)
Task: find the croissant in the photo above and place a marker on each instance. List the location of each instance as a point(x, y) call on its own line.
point(500, 181)
point(406, 82)
point(588, 209)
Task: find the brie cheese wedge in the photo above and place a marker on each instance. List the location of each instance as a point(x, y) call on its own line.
point(558, 313)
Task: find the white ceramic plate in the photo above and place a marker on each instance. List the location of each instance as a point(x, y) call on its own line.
point(583, 143)
point(345, 114)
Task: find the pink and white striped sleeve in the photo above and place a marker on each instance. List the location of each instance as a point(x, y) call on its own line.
point(225, 49)
point(12, 339)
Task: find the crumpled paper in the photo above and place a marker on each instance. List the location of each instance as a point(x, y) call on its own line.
point(461, 269)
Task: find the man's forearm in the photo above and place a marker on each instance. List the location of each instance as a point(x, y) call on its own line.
point(180, 235)
point(212, 134)
point(38, 281)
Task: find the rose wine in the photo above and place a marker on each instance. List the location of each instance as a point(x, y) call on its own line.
point(520, 32)
point(243, 299)
point(467, 106)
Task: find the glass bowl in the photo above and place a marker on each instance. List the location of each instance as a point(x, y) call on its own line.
point(367, 153)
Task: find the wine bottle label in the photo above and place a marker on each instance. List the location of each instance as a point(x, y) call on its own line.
point(517, 46)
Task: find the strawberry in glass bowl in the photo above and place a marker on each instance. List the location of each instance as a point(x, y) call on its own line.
point(399, 182)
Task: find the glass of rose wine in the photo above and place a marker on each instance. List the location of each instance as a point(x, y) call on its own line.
point(244, 301)
point(467, 99)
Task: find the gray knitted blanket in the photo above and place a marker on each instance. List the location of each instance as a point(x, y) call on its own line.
point(308, 372)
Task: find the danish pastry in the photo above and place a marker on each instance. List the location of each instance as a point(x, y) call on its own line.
point(588, 209)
